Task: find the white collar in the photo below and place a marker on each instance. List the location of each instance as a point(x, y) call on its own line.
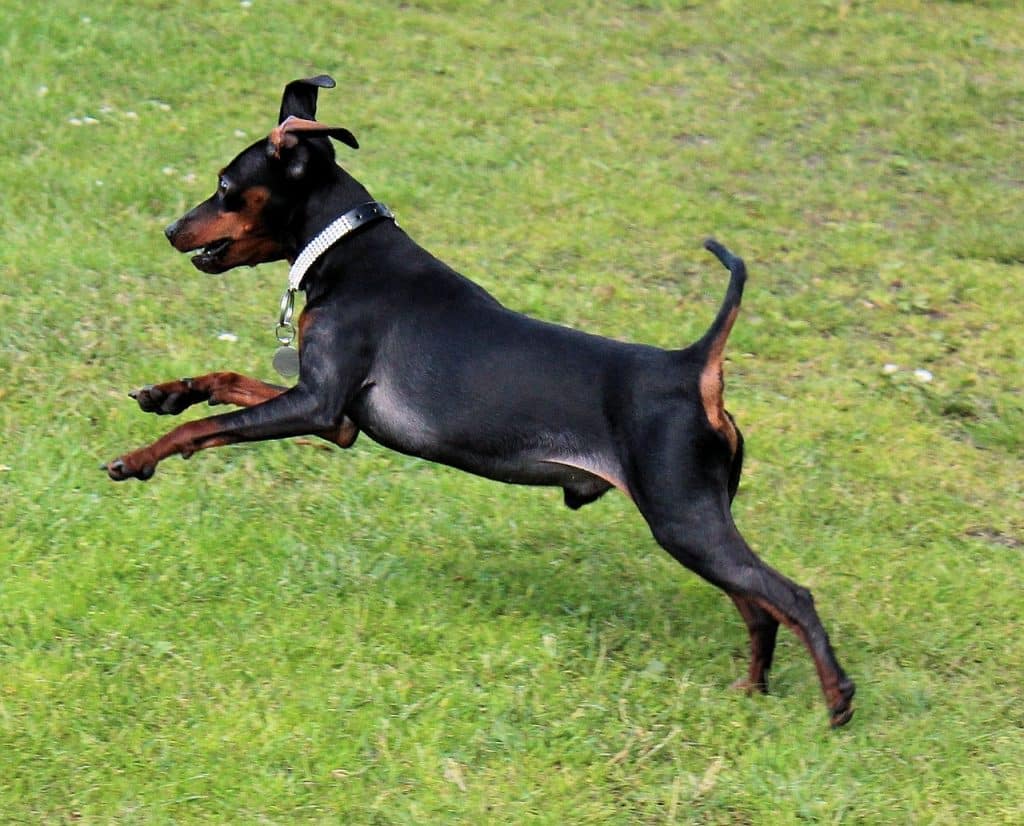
point(331, 235)
point(324, 240)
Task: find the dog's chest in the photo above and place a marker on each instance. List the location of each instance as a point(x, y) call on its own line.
point(387, 414)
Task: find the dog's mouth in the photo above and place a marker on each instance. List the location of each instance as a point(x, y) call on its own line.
point(208, 259)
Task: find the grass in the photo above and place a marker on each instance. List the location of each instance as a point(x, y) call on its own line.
point(276, 633)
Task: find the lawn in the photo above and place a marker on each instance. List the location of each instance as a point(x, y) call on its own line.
point(280, 633)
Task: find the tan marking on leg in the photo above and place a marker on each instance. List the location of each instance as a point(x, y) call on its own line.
point(236, 389)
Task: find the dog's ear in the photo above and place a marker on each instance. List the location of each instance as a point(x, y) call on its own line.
point(287, 133)
point(299, 98)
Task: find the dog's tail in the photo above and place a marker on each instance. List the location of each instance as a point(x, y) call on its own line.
point(714, 339)
point(711, 346)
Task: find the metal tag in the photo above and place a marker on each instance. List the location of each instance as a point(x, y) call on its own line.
point(286, 361)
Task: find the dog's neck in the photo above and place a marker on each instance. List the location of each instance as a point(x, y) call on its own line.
point(334, 194)
point(326, 239)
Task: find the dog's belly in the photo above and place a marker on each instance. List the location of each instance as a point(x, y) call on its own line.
point(541, 456)
point(528, 469)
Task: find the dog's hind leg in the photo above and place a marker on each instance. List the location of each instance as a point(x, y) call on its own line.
point(763, 628)
point(761, 625)
point(720, 555)
point(686, 505)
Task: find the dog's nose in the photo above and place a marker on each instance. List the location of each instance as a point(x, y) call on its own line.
point(171, 230)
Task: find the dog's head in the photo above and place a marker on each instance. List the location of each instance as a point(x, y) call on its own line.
point(245, 222)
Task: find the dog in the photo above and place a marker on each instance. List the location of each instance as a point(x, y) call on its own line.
point(397, 344)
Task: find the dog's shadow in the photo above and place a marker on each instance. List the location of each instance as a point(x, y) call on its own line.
point(598, 571)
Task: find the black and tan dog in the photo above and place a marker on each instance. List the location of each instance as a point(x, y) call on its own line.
point(395, 343)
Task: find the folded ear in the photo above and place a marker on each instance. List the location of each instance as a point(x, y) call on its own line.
point(299, 98)
point(286, 134)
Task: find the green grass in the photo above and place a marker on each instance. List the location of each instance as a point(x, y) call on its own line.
point(275, 633)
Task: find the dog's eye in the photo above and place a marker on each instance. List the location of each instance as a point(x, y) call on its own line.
point(222, 185)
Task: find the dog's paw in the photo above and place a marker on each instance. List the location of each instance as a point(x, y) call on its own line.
point(170, 398)
point(745, 685)
point(121, 469)
point(842, 711)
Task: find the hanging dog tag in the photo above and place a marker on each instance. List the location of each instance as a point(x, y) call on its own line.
point(286, 357)
point(286, 361)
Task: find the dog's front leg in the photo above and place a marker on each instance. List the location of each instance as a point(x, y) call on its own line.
point(172, 397)
point(295, 412)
